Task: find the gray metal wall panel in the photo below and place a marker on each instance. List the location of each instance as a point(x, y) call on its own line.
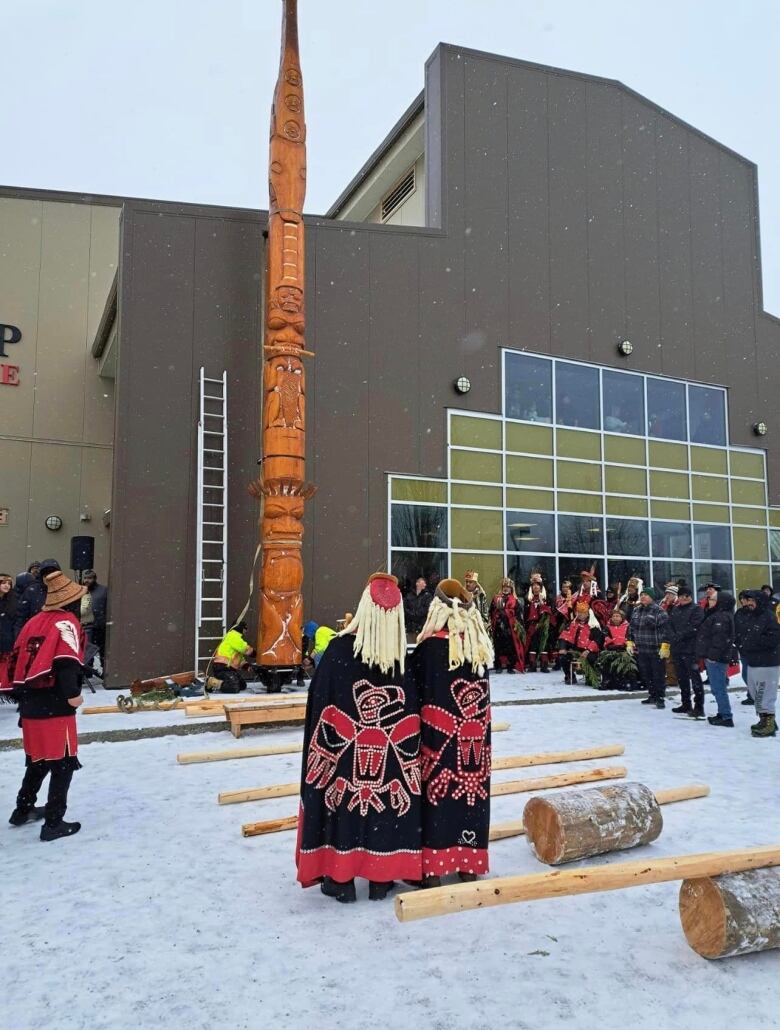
point(707, 265)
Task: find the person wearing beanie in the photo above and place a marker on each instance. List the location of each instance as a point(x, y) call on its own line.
point(47, 672)
point(758, 640)
point(449, 672)
point(360, 779)
point(648, 635)
point(685, 618)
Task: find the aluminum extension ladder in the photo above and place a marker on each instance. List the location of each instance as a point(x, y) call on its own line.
point(212, 511)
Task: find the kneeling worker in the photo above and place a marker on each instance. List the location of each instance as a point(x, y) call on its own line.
point(231, 655)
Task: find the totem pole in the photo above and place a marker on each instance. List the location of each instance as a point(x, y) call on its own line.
point(281, 485)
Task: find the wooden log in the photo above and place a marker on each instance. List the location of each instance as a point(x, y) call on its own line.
point(162, 706)
point(500, 727)
point(275, 790)
point(508, 890)
point(290, 822)
point(732, 914)
point(261, 715)
point(194, 757)
point(664, 797)
point(556, 757)
point(181, 679)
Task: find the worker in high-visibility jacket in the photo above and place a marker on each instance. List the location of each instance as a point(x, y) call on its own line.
point(232, 653)
point(322, 638)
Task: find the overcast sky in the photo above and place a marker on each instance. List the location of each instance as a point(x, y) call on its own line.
point(170, 98)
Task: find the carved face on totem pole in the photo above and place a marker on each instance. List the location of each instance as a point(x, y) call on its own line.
point(284, 393)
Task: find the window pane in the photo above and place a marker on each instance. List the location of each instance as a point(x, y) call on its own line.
point(408, 566)
point(666, 409)
point(570, 568)
point(577, 396)
point(530, 531)
point(712, 542)
point(671, 540)
point(580, 534)
point(714, 572)
point(670, 572)
point(621, 571)
point(624, 403)
point(776, 578)
point(627, 536)
point(520, 567)
point(707, 415)
point(774, 543)
point(528, 388)
point(418, 525)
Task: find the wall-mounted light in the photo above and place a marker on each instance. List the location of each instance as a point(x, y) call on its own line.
point(53, 522)
point(760, 428)
point(625, 347)
point(462, 384)
point(107, 518)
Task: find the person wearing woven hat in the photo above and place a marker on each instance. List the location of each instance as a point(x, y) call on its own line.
point(449, 670)
point(506, 624)
point(648, 634)
point(47, 670)
point(360, 779)
point(478, 595)
point(582, 640)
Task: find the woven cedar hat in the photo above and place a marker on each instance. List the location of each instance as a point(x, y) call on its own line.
point(378, 624)
point(61, 591)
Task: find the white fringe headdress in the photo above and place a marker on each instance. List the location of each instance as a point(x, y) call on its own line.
point(536, 577)
point(378, 624)
point(451, 608)
point(639, 584)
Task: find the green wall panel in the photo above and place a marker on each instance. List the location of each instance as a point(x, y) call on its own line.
point(534, 439)
point(751, 577)
point(749, 516)
point(529, 471)
point(626, 506)
point(710, 513)
point(477, 530)
point(589, 504)
point(743, 463)
point(668, 484)
point(574, 475)
point(572, 443)
point(774, 517)
point(750, 545)
point(475, 432)
point(668, 455)
point(625, 480)
point(710, 488)
point(536, 500)
point(466, 493)
point(430, 491)
point(679, 511)
point(709, 459)
point(625, 450)
point(746, 492)
point(471, 465)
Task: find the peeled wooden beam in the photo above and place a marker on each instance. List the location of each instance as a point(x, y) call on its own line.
point(161, 706)
point(732, 914)
point(289, 822)
point(556, 757)
point(664, 797)
point(284, 790)
point(194, 757)
point(507, 890)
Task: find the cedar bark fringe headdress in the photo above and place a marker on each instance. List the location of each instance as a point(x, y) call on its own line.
point(453, 608)
point(378, 624)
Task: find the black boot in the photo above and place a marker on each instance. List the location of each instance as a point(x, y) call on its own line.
point(567, 676)
point(20, 816)
point(431, 881)
point(660, 703)
point(697, 712)
point(467, 877)
point(343, 892)
point(378, 891)
point(720, 720)
point(683, 709)
point(748, 701)
point(647, 701)
point(53, 831)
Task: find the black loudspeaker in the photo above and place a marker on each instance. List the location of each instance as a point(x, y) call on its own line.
point(82, 553)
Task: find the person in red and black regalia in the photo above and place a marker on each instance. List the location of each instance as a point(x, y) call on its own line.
point(539, 626)
point(506, 624)
point(360, 782)
point(46, 669)
point(449, 670)
point(582, 638)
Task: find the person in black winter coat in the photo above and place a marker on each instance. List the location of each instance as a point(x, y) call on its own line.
point(742, 615)
point(648, 632)
point(34, 594)
point(758, 641)
point(685, 618)
point(7, 630)
point(416, 605)
point(715, 644)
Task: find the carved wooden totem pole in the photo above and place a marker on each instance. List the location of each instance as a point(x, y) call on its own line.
point(281, 485)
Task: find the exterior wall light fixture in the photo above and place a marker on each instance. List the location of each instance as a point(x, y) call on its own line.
point(462, 384)
point(53, 522)
point(760, 428)
point(625, 347)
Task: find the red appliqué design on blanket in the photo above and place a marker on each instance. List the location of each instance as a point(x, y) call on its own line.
point(468, 732)
point(380, 728)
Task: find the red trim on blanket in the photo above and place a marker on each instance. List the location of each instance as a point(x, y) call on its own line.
point(443, 861)
point(49, 740)
point(342, 866)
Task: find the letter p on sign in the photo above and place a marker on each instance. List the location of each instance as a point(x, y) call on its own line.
point(8, 334)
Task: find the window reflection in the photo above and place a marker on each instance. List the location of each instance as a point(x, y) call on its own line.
point(671, 540)
point(577, 396)
point(627, 536)
point(672, 572)
point(621, 571)
point(570, 568)
point(707, 417)
point(624, 403)
point(774, 544)
point(408, 566)
point(714, 572)
point(418, 525)
point(520, 567)
point(712, 542)
point(530, 531)
point(528, 388)
point(580, 534)
point(666, 410)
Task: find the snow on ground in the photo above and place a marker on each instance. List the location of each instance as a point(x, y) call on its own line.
point(160, 914)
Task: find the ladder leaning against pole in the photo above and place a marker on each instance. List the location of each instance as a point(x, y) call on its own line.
point(212, 511)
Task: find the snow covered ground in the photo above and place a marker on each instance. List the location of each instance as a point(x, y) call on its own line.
point(159, 914)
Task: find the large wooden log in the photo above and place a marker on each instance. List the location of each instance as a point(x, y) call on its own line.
point(581, 823)
point(281, 790)
point(289, 822)
point(181, 679)
point(732, 914)
point(507, 890)
point(556, 757)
